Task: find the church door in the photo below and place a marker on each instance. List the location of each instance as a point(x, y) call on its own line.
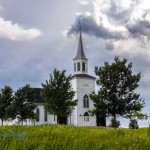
point(86, 119)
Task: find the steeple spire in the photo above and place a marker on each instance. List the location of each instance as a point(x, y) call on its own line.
point(80, 52)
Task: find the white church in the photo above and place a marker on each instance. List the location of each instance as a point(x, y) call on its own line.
point(83, 84)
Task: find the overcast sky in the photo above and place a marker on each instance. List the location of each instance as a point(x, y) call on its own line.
point(38, 36)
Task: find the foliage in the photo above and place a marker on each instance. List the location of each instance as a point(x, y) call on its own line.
point(133, 124)
point(114, 123)
point(58, 94)
point(137, 115)
point(23, 104)
point(56, 137)
point(6, 96)
point(116, 95)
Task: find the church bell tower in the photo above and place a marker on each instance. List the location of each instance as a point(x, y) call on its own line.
point(83, 84)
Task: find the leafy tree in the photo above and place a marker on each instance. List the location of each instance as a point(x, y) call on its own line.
point(6, 96)
point(58, 95)
point(23, 104)
point(117, 93)
point(133, 124)
point(114, 123)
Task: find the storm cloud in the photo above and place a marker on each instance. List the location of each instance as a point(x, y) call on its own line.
point(112, 19)
point(102, 30)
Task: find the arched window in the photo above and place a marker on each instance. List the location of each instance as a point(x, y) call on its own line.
point(78, 66)
point(86, 101)
point(86, 117)
point(37, 114)
point(45, 116)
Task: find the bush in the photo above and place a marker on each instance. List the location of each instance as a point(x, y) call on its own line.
point(114, 123)
point(133, 124)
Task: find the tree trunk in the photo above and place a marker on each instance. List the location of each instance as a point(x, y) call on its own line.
point(62, 120)
point(101, 120)
point(115, 126)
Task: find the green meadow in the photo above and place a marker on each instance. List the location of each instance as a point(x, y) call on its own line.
point(60, 137)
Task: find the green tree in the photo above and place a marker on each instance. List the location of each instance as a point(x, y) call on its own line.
point(117, 94)
point(6, 97)
point(58, 95)
point(133, 124)
point(114, 123)
point(134, 116)
point(23, 104)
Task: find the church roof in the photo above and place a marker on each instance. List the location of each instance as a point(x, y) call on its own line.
point(80, 52)
point(83, 76)
point(38, 97)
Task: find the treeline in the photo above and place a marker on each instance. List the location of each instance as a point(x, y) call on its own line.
point(17, 105)
point(115, 97)
point(57, 95)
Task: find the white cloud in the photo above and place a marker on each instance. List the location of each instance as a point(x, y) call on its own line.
point(111, 19)
point(144, 4)
point(119, 5)
point(14, 31)
point(84, 2)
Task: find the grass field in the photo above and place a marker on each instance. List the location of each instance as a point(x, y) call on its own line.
point(59, 137)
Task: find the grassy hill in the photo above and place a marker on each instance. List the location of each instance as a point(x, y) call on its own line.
point(57, 137)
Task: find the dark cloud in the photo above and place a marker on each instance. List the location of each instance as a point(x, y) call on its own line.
point(141, 27)
point(90, 27)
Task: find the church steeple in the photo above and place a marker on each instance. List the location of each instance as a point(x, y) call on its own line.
point(80, 52)
point(80, 60)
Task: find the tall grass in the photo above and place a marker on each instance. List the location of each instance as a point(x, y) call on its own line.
point(59, 137)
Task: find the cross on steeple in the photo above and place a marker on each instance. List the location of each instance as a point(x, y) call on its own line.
point(80, 25)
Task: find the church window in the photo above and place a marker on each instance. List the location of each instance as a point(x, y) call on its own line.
point(74, 66)
point(78, 66)
point(86, 117)
point(86, 101)
point(38, 114)
point(83, 66)
point(45, 116)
